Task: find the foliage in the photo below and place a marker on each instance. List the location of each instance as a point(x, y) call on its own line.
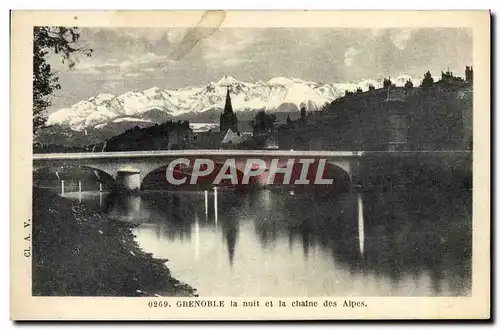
point(428, 81)
point(61, 41)
point(408, 84)
point(387, 83)
point(302, 112)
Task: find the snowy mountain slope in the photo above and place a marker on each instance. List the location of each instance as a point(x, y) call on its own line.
point(155, 103)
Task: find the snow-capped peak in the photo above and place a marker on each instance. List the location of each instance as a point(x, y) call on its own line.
point(227, 80)
point(154, 89)
point(280, 81)
point(98, 99)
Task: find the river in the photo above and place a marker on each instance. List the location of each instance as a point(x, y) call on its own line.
point(280, 243)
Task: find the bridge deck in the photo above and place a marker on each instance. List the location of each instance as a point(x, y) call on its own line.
point(234, 153)
point(191, 153)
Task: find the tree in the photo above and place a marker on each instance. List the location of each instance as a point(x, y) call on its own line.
point(359, 90)
point(408, 84)
point(428, 81)
point(387, 83)
point(61, 41)
point(263, 123)
point(288, 119)
point(303, 113)
point(371, 87)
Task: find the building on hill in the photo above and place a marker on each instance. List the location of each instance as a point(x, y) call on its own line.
point(233, 139)
point(469, 74)
point(166, 136)
point(179, 138)
point(449, 79)
point(451, 82)
point(230, 138)
point(228, 119)
point(207, 140)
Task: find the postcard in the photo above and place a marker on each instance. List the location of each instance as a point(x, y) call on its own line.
point(250, 165)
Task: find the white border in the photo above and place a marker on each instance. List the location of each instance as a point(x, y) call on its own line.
point(151, 4)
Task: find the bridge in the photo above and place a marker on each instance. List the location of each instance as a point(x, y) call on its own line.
point(128, 169)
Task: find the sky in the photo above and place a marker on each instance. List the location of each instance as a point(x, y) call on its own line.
point(134, 59)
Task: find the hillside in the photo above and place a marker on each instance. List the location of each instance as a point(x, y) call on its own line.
point(438, 118)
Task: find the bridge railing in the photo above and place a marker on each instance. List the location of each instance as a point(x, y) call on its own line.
point(240, 153)
point(199, 152)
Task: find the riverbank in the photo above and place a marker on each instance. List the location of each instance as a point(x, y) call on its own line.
point(77, 252)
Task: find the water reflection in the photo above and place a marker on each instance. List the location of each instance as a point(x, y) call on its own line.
point(276, 243)
point(361, 224)
point(92, 199)
point(196, 237)
point(216, 210)
point(206, 203)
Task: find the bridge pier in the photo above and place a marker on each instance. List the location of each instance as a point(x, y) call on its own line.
point(128, 180)
point(355, 172)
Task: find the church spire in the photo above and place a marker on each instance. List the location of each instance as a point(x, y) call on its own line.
point(228, 118)
point(228, 108)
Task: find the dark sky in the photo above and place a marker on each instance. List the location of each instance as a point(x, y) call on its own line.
point(134, 59)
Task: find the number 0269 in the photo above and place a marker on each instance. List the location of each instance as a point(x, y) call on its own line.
point(156, 303)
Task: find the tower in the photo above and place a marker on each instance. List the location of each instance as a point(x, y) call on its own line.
point(468, 74)
point(228, 107)
point(228, 119)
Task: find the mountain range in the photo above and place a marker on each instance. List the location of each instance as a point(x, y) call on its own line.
point(203, 104)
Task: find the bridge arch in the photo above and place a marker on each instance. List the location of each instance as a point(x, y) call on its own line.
point(156, 178)
point(49, 176)
point(343, 177)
